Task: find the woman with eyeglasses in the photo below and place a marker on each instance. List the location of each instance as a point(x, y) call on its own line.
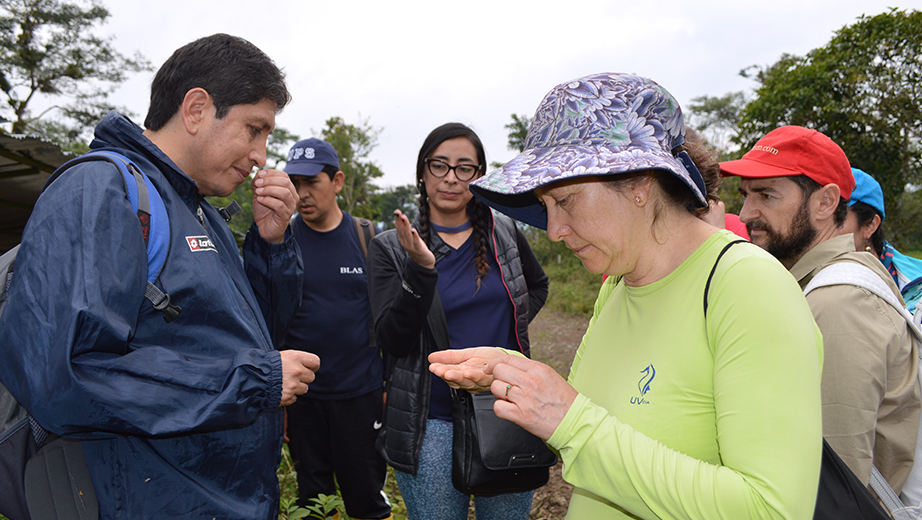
point(476, 267)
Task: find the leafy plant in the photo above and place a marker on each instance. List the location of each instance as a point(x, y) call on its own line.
point(324, 506)
point(290, 510)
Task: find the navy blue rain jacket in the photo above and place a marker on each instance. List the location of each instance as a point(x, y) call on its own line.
point(182, 418)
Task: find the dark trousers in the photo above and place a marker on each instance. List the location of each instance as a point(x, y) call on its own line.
point(338, 436)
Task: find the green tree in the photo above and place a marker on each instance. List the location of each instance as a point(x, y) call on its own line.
point(280, 141)
point(354, 144)
point(405, 198)
point(518, 130)
point(47, 49)
point(716, 119)
point(862, 89)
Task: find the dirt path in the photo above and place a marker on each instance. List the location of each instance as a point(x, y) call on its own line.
point(554, 340)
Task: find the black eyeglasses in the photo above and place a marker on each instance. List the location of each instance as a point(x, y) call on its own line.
point(464, 172)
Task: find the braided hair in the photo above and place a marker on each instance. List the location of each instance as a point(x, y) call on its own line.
point(479, 213)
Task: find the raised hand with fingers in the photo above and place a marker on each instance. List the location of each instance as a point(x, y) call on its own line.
point(412, 242)
point(274, 201)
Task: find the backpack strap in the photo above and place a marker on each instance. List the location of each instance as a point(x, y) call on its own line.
point(146, 202)
point(886, 494)
point(851, 273)
point(364, 232)
point(58, 483)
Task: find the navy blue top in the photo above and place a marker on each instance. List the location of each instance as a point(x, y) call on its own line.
point(475, 317)
point(333, 321)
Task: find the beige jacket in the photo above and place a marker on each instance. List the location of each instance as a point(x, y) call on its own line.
point(870, 386)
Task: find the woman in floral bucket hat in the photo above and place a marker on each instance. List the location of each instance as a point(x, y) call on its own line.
point(695, 392)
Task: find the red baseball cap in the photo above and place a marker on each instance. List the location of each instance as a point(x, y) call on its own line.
point(795, 150)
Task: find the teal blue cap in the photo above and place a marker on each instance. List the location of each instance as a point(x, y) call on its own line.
point(867, 190)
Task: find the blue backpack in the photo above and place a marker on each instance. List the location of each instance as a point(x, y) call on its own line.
point(43, 475)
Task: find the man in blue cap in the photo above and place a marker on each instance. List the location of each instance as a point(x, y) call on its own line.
point(335, 430)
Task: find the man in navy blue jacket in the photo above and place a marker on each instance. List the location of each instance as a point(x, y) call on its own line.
point(179, 419)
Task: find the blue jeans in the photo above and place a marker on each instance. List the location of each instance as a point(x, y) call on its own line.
point(429, 495)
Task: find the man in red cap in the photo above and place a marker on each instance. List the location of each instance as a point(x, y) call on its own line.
point(796, 183)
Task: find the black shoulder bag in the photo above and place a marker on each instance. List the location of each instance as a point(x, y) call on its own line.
point(490, 456)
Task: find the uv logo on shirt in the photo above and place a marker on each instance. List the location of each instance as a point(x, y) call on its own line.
point(644, 385)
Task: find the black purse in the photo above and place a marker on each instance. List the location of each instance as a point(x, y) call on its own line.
point(491, 456)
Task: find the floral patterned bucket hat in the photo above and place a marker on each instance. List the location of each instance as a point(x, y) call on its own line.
point(602, 124)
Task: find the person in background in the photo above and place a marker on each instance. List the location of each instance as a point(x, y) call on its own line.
point(719, 218)
point(332, 431)
point(796, 183)
point(180, 419)
point(481, 269)
point(688, 397)
point(705, 159)
point(865, 222)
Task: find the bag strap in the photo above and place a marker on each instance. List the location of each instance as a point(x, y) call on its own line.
point(707, 286)
point(364, 232)
point(889, 497)
point(148, 205)
point(58, 483)
point(851, 273)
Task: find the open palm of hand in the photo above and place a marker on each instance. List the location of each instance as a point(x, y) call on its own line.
point(466, 368)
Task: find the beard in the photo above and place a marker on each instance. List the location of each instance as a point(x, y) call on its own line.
point(797, 242)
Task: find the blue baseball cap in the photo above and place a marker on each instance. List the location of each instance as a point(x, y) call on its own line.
point(867, 190)
point(309, 156)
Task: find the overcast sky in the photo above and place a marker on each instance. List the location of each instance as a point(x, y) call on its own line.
point(410, 66)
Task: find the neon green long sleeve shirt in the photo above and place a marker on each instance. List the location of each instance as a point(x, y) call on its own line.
point(685, 417)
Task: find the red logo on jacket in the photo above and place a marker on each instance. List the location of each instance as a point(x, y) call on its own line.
point(202, 243)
